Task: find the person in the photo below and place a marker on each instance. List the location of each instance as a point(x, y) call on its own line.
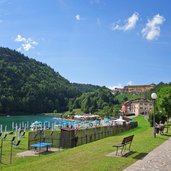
point(157, 128)
point(161, 127)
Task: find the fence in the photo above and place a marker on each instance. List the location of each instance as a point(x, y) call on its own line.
point(68, 138)
point(92, 134)
point(44, 136)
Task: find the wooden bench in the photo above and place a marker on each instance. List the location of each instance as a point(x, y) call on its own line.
point(126, 141)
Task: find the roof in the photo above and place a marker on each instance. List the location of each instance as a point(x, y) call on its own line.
point(136, 101)
point(141, 100)
point(150, 85)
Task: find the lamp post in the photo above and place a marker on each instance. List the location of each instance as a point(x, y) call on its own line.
point(154, 97)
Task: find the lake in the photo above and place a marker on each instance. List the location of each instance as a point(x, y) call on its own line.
point(23, 120)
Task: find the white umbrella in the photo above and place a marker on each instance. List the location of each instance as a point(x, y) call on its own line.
point(16, 129)
point(5, 128)
point(44, 125)
point(1, 128)
point(12, 125)
point(120, 119)
point(27, 124)
point(22, 124)
point(19, 133)
point(25, 127)
point(52, 126)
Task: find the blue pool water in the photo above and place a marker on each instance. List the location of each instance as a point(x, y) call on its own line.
point(24, 119)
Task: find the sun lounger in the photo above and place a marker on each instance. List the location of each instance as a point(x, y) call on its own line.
point(17, 144)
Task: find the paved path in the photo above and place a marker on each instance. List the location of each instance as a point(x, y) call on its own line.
point(157, 160)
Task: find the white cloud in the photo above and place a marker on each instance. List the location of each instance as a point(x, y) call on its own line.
point(130, 23)
point(26, 43)
point(130, 83)
point(152, 29)
point(27, 46)
point(20, 39)
point(77, 17)
point(119, 85)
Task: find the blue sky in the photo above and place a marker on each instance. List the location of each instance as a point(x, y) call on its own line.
point(102, 42)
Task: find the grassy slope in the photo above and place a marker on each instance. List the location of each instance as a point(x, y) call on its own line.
point(92, 156)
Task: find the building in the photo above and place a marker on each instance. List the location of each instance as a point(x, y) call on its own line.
point(139, 106)
point(134, 89)
point(138, 88)
point(118, 90)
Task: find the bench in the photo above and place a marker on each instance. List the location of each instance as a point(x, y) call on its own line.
point(126, 141)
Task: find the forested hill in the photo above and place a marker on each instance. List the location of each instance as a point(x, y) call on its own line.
point(94, 101)
point(30, 86)
point(84, 88)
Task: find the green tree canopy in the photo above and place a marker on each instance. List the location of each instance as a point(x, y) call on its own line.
point(164, 100)
point(93, 101)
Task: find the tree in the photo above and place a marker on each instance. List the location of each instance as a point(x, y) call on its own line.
point(164, 101)
point(85, 105)
point(116, 110)
point(94, 101)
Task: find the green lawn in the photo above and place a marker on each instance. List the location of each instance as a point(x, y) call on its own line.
point(90, 156)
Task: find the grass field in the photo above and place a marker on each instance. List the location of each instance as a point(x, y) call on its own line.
point(90, 156)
